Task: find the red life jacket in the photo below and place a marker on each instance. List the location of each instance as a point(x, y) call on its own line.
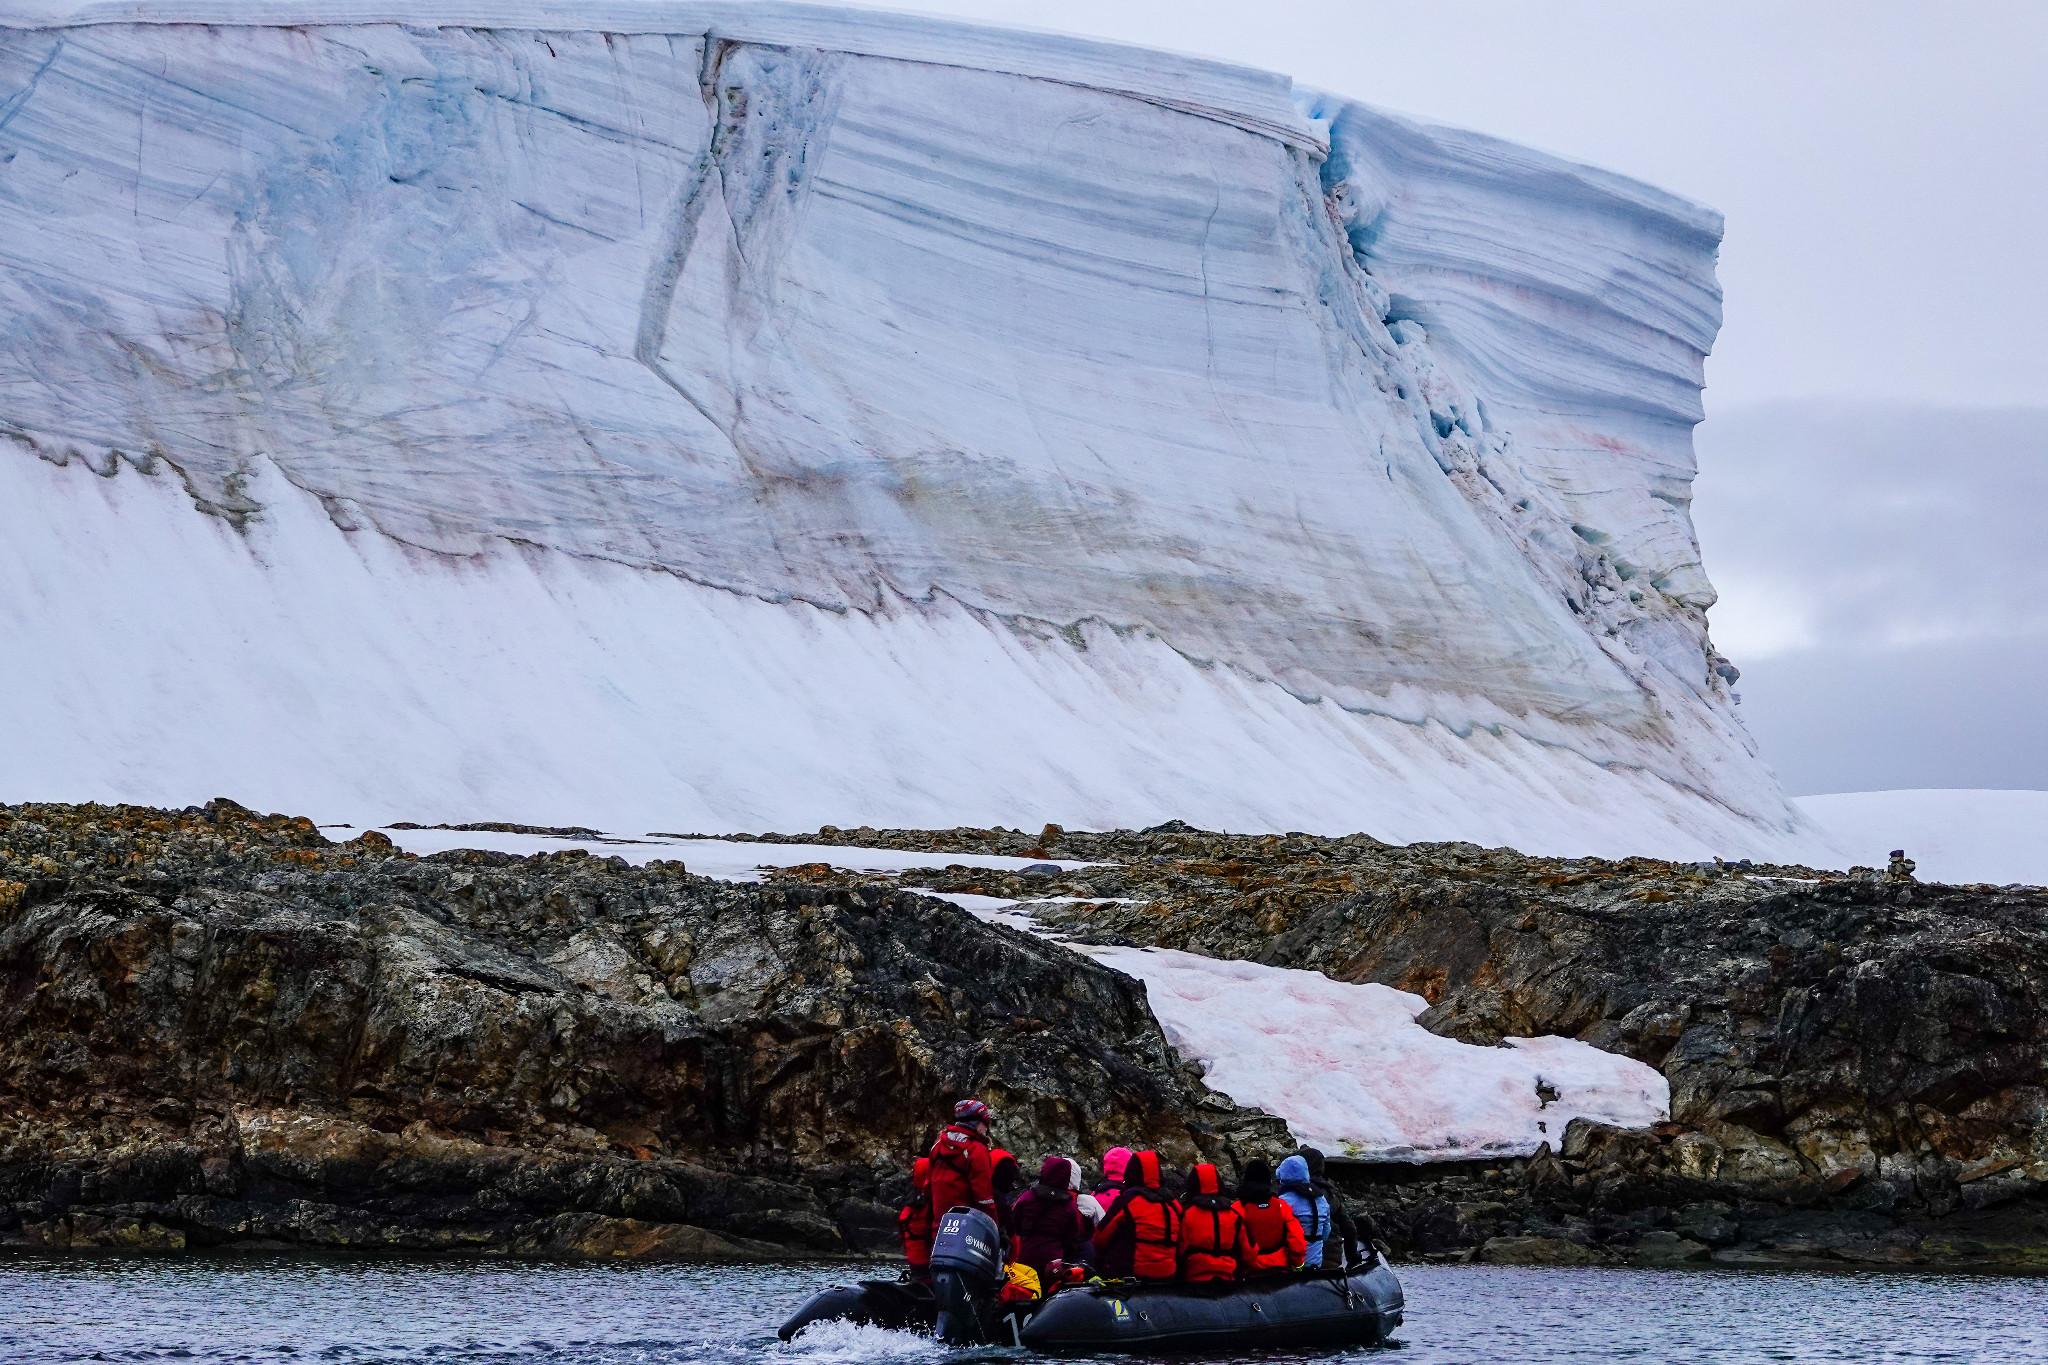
point(914, 1223)
point(1212, 1238)
point(1141, 1236)
point(1273, 1235)
point(961, 1172)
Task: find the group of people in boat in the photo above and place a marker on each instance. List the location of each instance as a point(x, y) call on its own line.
point(1129, 1224)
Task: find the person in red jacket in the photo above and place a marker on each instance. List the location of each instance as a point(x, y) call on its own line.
point(960, 1165)
point(1271, 1231)
point(1141, 1236)
point(1212, 1236)
point(914, 1223)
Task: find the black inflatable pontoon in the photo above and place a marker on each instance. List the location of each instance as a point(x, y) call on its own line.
point(899, 1305)
point(1309, 1308)
point(1305, 1309)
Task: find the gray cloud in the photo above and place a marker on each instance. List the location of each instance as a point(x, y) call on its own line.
point(1884, 581)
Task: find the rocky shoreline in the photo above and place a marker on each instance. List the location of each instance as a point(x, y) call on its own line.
point(1858, 1062)
point(225, 1032)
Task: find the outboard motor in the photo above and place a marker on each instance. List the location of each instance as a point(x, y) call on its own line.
point(967, 1265)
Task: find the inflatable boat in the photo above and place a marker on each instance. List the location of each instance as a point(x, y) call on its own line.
point(1357, 1306)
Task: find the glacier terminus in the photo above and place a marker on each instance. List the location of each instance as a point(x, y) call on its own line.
point(761, 415)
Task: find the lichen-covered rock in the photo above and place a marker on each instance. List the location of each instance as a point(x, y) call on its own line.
point(1538, 1251)
point(237, 1031)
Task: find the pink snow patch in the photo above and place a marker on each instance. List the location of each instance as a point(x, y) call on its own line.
point(1351, 1071)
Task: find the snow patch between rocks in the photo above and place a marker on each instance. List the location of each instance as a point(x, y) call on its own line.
point(1350, 1070)
point(728, 860)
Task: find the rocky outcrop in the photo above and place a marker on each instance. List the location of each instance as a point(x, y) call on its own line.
point(1851, 1046)
point(1824, 1031)
point(1613, 1197)
point(221, 1029)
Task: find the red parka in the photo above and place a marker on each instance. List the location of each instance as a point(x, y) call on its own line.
point(1276, 1240)
point(1141, 1236)
point(961, 1173)
point(914, 1224)
point(1212, 1235)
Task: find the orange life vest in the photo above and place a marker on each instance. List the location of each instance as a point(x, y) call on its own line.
point(1273, 1235)
point(914, 1223)
point(1141, 1236)
point(1212, 1239)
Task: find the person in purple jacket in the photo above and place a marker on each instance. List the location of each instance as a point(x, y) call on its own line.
point(1046, 1222)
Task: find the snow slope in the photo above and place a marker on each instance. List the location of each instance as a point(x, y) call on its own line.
point(298, 667)
point(1997, 837)
point(765, 415)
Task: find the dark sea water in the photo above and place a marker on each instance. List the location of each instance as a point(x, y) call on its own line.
point(374, 1311)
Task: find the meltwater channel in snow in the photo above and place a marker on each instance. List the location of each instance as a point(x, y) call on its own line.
point(770, 415)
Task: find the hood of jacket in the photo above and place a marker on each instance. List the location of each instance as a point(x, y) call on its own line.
point(1143, 1172)
point(1115, 1162)
point(1205, 1189)
point(1294, 1173)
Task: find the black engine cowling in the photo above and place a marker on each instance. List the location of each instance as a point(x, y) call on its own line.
point(967, 1265)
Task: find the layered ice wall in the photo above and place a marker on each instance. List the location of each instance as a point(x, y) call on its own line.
point(762, 414)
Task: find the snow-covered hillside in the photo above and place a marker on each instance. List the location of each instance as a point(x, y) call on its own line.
point(765, 415)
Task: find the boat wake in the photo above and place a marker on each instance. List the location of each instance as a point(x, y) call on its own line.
point(853, 1343)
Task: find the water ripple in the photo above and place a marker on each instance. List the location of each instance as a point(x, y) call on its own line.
point(263, 1311)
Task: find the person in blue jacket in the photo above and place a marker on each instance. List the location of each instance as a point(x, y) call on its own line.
point(1311, 1207)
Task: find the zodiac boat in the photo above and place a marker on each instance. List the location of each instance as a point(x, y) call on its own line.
point(1356, 1306)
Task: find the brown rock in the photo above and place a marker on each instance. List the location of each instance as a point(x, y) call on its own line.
point(1667, 1248)
point(265, 1037)
point(600, 1238)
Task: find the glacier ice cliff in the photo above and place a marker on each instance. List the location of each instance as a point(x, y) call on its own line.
point(769, 414)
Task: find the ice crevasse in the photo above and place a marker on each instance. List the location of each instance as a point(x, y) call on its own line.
point(763, 415)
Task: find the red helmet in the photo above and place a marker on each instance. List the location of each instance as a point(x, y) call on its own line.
point(971, 1111)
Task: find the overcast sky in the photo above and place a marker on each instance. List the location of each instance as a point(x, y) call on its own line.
point(1873, 500)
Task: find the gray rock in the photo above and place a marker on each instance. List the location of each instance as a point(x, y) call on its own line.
point(1539, 1251)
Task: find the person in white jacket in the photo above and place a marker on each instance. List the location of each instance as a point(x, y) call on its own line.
point(1090, 1206)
